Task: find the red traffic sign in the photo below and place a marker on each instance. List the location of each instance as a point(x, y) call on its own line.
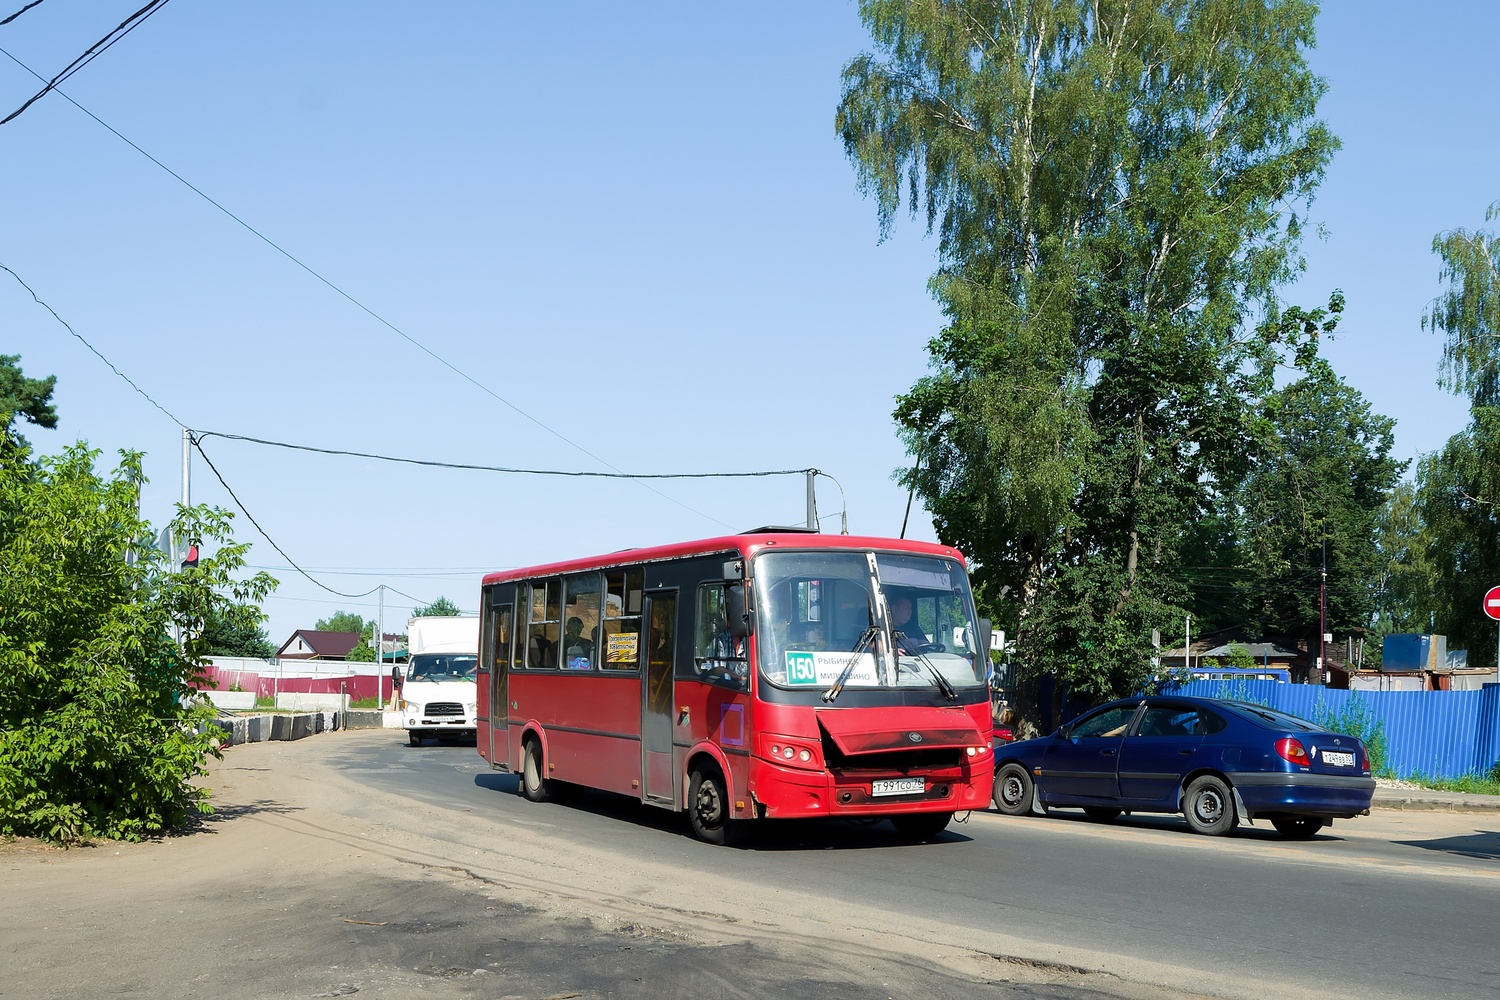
point(1492, 603)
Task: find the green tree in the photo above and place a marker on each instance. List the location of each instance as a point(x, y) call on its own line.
point(1116, 190)
point(363, 651)
point(1458, 494)
point(27, 398)
point(1455, 491)
point(99, 732)
point(235, 631)
point(442, 607)
point(341, 621)
point(1322, 485)
point(1408, 577)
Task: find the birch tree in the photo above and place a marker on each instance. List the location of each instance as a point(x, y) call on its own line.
point(1118, 190)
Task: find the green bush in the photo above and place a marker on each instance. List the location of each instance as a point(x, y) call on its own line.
point(100, 734)
point(1358, 719)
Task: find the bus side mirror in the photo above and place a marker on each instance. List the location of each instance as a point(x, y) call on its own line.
point(741, 621)
point(984, 638)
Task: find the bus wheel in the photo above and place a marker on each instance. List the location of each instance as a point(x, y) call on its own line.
point(533, 785)
point(708, 808)
point(921, 826)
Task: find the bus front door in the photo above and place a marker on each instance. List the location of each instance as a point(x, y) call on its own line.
point(496, 645)
point(656, 698)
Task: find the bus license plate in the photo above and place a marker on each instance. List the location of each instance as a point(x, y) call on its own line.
point(898, 786)
point(1337, 759)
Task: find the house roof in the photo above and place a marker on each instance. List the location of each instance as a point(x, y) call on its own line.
point(322, 645)
point(1256, 651)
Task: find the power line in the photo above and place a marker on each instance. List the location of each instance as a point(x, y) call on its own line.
point(357, 303)
point(251, 518)
point(122, 29)
point(144, 394)
point(20, 12)
point(433, 463)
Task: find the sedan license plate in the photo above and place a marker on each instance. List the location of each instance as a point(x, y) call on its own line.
point(1337, 758)
point(898, 786)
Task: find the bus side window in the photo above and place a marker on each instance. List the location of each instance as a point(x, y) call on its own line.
point(500, 639)
point(581, 623)
point(545, 626)
point(622, 619)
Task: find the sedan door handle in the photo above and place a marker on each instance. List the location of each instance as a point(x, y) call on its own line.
point(1186, 753)
point(1107, 753)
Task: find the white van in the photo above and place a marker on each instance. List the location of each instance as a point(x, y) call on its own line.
point(437, 691)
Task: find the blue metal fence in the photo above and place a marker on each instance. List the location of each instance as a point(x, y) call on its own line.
point(1441, 734)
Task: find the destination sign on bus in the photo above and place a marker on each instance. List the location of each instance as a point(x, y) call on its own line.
point(825, 668)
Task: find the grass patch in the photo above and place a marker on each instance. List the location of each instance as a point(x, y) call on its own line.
point(1357, 719)
point(1476, 784)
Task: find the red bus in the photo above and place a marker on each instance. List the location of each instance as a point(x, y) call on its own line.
point(776, 674)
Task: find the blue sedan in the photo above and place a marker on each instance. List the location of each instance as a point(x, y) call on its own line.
point(1217, 762)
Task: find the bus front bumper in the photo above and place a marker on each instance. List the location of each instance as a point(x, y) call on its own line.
point(792, 793)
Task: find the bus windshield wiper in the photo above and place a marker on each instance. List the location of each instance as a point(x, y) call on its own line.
point(937, 675)
point(863, 644)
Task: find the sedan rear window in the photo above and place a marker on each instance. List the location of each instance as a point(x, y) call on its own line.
point(1270, 718)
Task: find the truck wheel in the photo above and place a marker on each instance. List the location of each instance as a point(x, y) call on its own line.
point(413, 737)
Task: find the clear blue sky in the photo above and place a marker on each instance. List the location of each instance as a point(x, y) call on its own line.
point(634, 225)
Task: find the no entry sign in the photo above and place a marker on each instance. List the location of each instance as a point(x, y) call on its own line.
point(1492, 603)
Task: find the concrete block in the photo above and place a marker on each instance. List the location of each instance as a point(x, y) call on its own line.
point(364, 718)
point(236, 731)
point(231, 701)
point(303, 702)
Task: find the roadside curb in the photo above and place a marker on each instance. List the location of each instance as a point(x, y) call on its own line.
point(1398, 799)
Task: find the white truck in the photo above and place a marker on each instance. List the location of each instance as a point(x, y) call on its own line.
point(437, 696)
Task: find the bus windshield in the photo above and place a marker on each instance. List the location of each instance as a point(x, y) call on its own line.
point(442, 667)
point(874, 619)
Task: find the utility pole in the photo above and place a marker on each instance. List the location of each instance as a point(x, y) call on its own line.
point(1323, 614)
point(812, 501)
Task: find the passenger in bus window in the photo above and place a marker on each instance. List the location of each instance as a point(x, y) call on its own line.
point(578, 649)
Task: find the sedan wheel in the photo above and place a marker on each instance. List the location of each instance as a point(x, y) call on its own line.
point(1013, 790)
point(1209, 806)
point(1297, 827)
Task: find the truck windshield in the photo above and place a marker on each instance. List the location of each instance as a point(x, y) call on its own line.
point(872, 619)
point(442, 667)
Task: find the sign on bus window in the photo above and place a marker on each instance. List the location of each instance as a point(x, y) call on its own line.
point(621, 623)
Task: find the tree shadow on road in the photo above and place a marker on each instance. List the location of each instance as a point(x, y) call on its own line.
point(228, 812)
point(1483, 845)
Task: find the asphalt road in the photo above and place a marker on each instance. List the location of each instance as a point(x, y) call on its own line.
point(1388, 905)
point(350, 863)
